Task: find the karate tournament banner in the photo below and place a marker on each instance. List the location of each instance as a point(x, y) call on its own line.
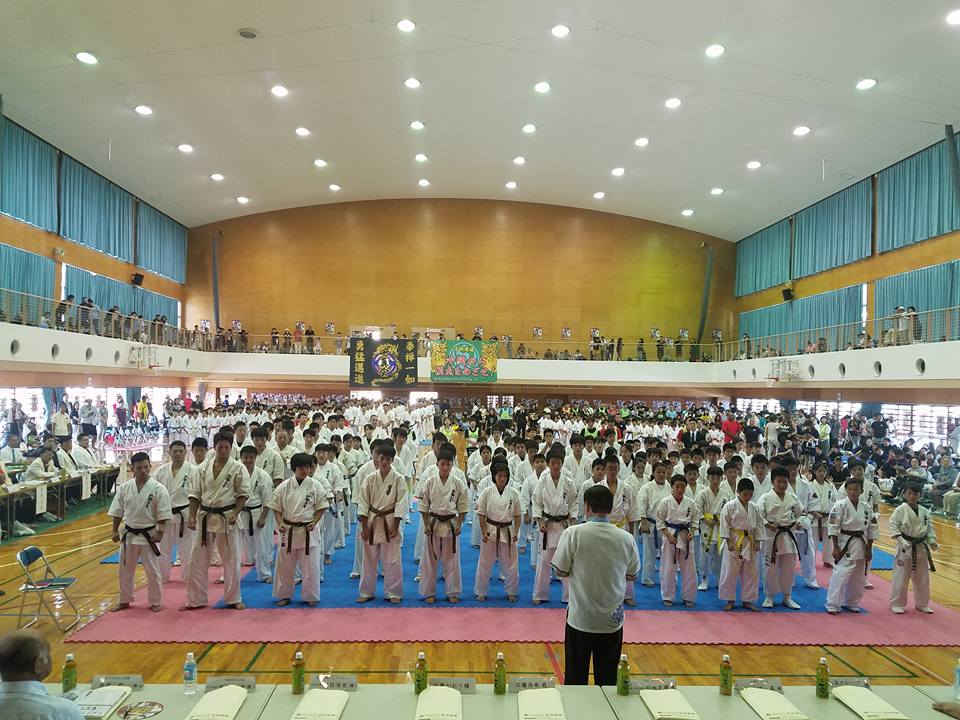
point(382, 363)
point(464, 361)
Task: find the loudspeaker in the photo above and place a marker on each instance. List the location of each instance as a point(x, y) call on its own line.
point(788, 293)
point(138, 280)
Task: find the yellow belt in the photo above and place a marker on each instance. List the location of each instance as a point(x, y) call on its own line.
point(742, 536)
point(713, 536)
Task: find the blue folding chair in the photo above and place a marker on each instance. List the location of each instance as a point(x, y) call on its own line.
point(50, 582)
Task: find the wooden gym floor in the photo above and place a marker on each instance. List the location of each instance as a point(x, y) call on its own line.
point(76, 548)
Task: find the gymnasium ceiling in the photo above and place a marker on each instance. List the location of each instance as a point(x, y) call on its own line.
point(344, 64)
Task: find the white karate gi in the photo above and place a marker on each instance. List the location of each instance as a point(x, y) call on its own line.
point(329, 473)
point(441, 503)
point(709, 506)
point(780, 562)
point(555, 504)
point(297, 503)
point(740, 528)
point(648, 499)
point(257, 548)
point(682, 521)
point(911, 561)
point(177, 534)
point(808, 547)
point(625, 513)
point(823, 497)
point(528, 530)
point(141, 509)
point(847, 580)
point(381, 501)
point(270, 462)
point(355, 483)
point(500, 544)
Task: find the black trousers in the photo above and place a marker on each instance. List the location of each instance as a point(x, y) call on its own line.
point(580, 646)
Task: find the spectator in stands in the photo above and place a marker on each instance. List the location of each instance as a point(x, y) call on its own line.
point(901, 324)
point(641, 351)
point(747, 344)
point(916, 327)
point(63, 311)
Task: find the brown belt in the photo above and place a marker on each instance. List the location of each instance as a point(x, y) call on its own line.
point(381, 515)
point(290, 528)
point(443, 519)
point(503, 527)
point(144, 532)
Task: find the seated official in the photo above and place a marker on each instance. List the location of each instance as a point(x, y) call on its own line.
point(24, 663)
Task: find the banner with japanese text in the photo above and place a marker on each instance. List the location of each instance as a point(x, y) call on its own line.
point(382, 363)
point(463, 361)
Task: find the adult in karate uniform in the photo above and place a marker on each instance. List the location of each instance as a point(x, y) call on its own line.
point(498, 512)
point(381, 508)
point(143, 504)
point(443, 504)
point(853, 528)
point(216, 500)
point(678, 522)
point(781, 513)
point(178, 477)
point(913, 531)
point(740, 526)
point(298, 504)
point(554, 508)
point(256, 540)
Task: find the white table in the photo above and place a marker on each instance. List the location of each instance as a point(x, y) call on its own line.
point(937, 693)
point(176, 705)
point(399, 702)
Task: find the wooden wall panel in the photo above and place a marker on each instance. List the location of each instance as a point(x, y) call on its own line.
point(505, 265)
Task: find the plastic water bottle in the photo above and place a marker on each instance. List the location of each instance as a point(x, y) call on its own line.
point(68, 674)
point(823, 679)
point(190, 675)
point(299, 676)
point(500, 675)
point(420, 674)
point(956, 681)
point(623, 676)
point(726, 676)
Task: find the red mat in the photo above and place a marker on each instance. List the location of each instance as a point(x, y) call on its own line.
point(877, 626)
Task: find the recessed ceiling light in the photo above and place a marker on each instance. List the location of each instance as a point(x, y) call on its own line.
point(243, 200)
point(673, 103)
point(185, 148)
point(406, 25)
point(216, 177)
point(279, 90)
point(143, 110)
point(511, 185)
point(420, 157)
point(87, 58)
point(247, 33)
point(560, 31)
point(412, 83)
point(320, 162)
point(600, 195)
point(519, 160)
point(716, 191)
point(416, 125)
point(542, 87)
point(641, 142)
point(714, 51)
point(954, 17)
point(687, 213)
point(334, 188)
point(801, 130)
point(529, 128)
point(302, 131)
point(617, 172)
point(754, 165)
point(866, 84)
point(423, 182)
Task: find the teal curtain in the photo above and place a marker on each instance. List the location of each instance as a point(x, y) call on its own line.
point(838, 307)
point(150, 304)
point(763, 259)
point(834, 231)
point(807, 319)
point(107, 292)
point(26, 272)
point(915, 199)
point(161, 243)
point(95, 212)
point(931, 290)
point(763, 322)
point(28, 177)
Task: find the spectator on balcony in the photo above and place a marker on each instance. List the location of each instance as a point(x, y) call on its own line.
point(578, 355)
point(509, 341)
point(275, 340)
point(916, 327)
point(810, 348)
point(310, 335)
point(661, 345)
point(901, 326)
point(287, 337)
point(522, 352)
point(641, 352)
point(822, 345)
point(298, 338)
point(619, 348)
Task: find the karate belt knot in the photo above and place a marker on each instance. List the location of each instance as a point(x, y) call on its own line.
point(742, 538)
point(382, 516)
point(656, 533)
point(783, 530)
point(914, 543)
point(210, 510)
point(249, 511)
point(443, 520)
point(851, 536)
point(562, 519)
point(681, 528)
point(290, 528)
point(144, 532)
point(503, 527)
point(714, 535)
point(179, 511)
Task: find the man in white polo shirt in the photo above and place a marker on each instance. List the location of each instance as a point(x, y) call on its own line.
point(599, 559)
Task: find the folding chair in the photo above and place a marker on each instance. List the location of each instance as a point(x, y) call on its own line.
point(50, 582)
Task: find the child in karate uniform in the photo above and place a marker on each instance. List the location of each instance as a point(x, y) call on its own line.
point(710, 501)
point(740, 528)
point(824, 496)
point(625, 513)
point(871, 495)
point(853, 529)
point(916, 539)
point(443, 505)
point(554, 508)
point(677, 521)
point(533, 469)
point(256, 541)
point(648, 500)
point(498, 512)
point(298, 503)
point(381, 509)
point(781, 513)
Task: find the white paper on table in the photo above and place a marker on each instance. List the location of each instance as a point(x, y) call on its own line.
point(85, 486)
point(221, 704)
point(542, 704)
point(668, 704)
point(867, 704)
point(771, 705)
point(321, 705)
point(439, 703)
point(41, 499)
point(101, 702)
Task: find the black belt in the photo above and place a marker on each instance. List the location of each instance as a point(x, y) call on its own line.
point(851, 535)
point(208, 510)
point(679, 528)
point(381, 515)
point(819, 529)
point(248, 510)
point(553, 518)
point(145, 532)
point(783, 530)
point(501, 527)
point(179, 511)
point(447, 520)
point(656, 533)
point(290, 527)
point(914, 542)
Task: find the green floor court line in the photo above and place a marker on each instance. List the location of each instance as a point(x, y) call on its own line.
point(205, 652)
point(830, 653)
point(890, 660)
point(253, 660)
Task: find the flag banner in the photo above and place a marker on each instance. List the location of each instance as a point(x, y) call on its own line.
point(464, 361)
point(382, 363)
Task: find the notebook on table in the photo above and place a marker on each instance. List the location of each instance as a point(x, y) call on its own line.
point(321, 705)
point(867, 704)
point(439, 703)
point(668, 704)
point(771, 705)
point(542, 704)
point(221, 704)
